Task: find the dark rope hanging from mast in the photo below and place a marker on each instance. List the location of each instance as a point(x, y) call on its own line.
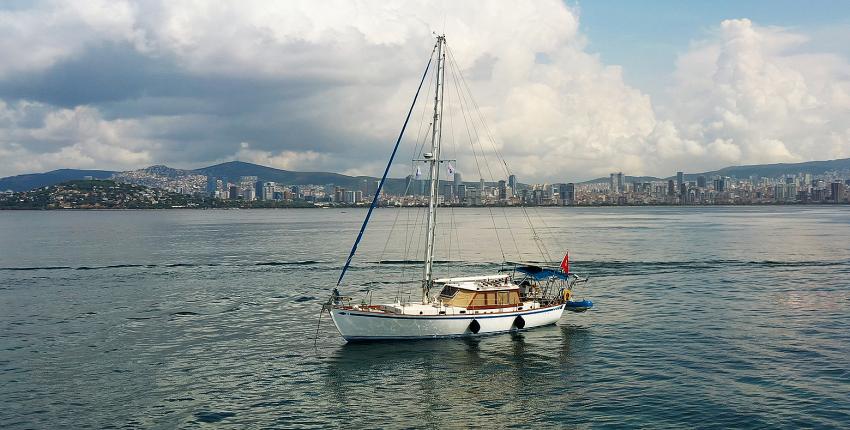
point(386, 171)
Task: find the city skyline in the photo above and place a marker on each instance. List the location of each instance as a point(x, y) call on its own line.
point(804, 188)
point(139, 191)
point(576, 88)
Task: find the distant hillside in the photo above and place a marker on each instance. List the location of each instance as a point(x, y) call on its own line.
point(37, 180)
point(232, 170)
point(164, 177)
point(779, 169)
point(627, 179)
point(97, 194)
point(742, 172)
point(161, 171)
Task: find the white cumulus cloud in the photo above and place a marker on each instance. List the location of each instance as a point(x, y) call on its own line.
point(753, 94)
point(325, 85)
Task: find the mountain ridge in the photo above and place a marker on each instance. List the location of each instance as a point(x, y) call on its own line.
point(235, 169)
point(817, 167)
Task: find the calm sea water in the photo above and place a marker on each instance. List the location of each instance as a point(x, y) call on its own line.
point(704, 317)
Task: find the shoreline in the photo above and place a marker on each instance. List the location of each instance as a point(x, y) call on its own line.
point(362, 207)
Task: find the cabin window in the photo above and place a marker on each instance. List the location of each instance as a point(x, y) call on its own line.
point(448, 292)
point(503, 298)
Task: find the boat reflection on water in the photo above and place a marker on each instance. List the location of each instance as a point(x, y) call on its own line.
point(446, 382)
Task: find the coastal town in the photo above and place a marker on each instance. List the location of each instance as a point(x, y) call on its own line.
point(797, 189)
point(160, 187)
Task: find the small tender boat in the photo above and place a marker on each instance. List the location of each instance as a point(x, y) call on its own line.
point(519, 297)
point(578, 306)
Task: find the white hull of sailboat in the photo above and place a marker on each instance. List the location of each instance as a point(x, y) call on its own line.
point(371, 326)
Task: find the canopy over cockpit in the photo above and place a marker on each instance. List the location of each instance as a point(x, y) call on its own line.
point(540, 273)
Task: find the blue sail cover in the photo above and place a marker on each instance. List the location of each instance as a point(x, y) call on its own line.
point(540, 273)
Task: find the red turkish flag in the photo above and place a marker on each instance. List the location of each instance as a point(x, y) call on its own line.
point(565, 264)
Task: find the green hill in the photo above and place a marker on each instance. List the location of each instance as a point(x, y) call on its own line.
point(761, 170)
point(37, 180)
point(234, 169)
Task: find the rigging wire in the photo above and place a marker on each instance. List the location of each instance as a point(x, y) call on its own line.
point(417, 148)
point(477, 135)
point(452, 221)
point(386, 171)
point(538, 240)
point(487, 166)
point(475, 156)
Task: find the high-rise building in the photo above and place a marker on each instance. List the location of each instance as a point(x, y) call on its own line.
point(836, 191)
point(621, 184)
point(680, 180)
point(779, 192)
point(258, 190)
point(220, 189)
point(503, 190)
point(512, 183)
point(473, 196)
point(249, 194)
point(790, 191)
point(460, 192)
point(612, 184)
point(671, 188)
point(448, 193)
point(269, 189)
point(701, 182)
point(538, 196)
point(348, 197)
point(247, 183)
point(211, 182)
point(567, 193)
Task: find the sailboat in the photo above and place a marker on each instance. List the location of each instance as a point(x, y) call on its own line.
point(520, 296)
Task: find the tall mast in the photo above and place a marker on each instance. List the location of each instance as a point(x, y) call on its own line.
point(434, 159)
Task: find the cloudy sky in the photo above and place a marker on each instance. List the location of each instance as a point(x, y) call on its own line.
point(570, 90)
